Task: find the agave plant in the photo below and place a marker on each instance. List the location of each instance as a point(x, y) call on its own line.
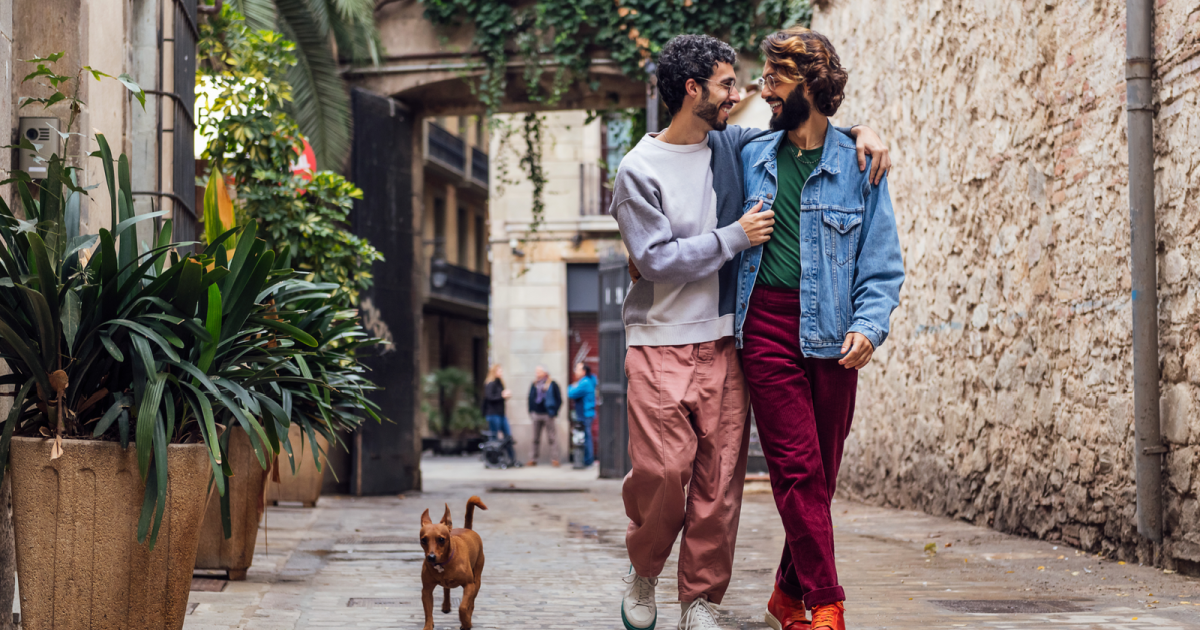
point(149, 346)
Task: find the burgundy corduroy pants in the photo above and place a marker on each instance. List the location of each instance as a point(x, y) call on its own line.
point(803, 408)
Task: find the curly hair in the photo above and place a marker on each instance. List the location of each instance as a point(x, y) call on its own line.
point(688, 57)
point(805, 56)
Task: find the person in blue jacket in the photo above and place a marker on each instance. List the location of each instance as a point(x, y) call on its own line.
point(583, 394)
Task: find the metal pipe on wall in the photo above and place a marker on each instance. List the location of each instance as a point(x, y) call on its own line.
point(1148, 448)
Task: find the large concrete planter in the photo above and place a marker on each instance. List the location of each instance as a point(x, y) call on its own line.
point(304, 486)
point(245, 489)
point(75, 520)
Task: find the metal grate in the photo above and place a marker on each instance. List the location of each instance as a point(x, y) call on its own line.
point(1008, 606)
point(183, 169)
point(375, 602)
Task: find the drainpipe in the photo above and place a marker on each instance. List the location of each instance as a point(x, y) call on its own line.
point(1148, 447)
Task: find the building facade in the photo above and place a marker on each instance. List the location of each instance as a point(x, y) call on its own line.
point(455, 242)
point(545, 287)
point(154, 42)
point(1004, 394)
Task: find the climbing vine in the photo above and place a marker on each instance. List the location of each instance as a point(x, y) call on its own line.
point(560, 37)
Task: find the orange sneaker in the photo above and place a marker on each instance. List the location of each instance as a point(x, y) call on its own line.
point(831, 616)
point(785, 613)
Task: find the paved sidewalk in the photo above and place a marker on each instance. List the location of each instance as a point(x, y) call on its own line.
point(554, 540)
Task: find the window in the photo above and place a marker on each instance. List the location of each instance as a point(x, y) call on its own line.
point(616, 139)
point(439, 228)
point(464, 232)
point(481, 244)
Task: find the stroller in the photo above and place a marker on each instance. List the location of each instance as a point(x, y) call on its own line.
point(498, 451)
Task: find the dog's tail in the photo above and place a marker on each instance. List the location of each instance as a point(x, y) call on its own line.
point(471, 503)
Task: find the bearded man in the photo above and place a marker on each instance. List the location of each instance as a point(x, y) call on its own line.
point(814, 303)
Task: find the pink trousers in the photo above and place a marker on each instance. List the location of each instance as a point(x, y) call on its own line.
point(689, 416)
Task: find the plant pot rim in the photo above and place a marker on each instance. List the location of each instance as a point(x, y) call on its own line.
point(117, 444)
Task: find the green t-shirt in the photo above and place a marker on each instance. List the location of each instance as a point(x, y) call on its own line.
point(781, 254)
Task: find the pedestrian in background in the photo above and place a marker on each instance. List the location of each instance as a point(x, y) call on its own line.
point(583, 394)
point(494, 398)
point(545, 399)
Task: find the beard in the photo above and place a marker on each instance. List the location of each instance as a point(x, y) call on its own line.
point(795, 112)
point(710, 113)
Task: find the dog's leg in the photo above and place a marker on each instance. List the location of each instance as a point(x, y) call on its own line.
point(470, 590)
point(446, 601)
point(427, 602)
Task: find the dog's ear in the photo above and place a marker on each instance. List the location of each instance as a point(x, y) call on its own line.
point(425, 520)
point(446, 518)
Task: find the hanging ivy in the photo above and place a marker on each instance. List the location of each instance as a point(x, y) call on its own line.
point(560, 37)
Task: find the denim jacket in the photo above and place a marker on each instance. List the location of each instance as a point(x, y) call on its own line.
point(851, 267)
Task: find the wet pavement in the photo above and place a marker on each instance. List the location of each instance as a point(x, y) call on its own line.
point(554, 544)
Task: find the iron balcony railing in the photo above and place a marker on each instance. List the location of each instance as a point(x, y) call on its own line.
point(447, 149)
point(479, 167)
point(459, 284)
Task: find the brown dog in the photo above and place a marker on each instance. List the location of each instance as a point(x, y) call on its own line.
point(453, 558)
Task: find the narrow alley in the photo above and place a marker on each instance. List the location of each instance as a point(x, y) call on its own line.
point(554, 541)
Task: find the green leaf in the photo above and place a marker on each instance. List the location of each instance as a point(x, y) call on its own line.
point(14, 416)
point(120, 404)
point(112, 348)
point(213, 325)
point(107, 161)
point(127, 223)
point(71, 314)
point(147, 419)
point(132, 86)
point(286, 328)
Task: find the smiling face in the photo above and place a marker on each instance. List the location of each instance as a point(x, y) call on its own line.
point(715, 97)
point(435, 538)
point(789, 102)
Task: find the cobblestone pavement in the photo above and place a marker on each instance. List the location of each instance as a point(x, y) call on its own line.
point(555, 553)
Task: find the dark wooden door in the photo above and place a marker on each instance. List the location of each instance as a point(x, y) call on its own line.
point(386, 458)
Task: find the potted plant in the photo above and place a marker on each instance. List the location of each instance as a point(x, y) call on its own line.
point(113, 436)
point(452, 411)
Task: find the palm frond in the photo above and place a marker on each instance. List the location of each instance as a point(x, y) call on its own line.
point(320, 101)
point(260, 14)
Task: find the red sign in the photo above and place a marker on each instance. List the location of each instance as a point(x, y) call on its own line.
point(306, 164)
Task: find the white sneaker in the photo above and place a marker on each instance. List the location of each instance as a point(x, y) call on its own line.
point(699, 615)
point(638, 610)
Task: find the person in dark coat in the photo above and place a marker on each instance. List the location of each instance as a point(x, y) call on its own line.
point(545, 399)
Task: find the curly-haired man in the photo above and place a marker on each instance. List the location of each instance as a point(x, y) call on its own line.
point(814, 303)
point(678, 200)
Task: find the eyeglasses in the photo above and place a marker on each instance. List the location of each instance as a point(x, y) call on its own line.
point(767, 80)
point(730, 85)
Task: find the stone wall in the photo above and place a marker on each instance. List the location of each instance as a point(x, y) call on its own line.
point(1004, 394)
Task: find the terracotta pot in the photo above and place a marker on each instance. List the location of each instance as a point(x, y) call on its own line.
point(75, 519)
point(305, 485)
point(245, 489)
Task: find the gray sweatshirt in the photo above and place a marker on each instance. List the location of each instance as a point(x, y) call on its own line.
point(678, 207)
point(666, 207)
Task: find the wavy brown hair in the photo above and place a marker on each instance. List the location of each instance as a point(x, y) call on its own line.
point(804, 56)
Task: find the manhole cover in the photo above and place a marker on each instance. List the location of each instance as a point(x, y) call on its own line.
point(208, 584)
point(537, 490)
point(374, 602)
point(1008, 606)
